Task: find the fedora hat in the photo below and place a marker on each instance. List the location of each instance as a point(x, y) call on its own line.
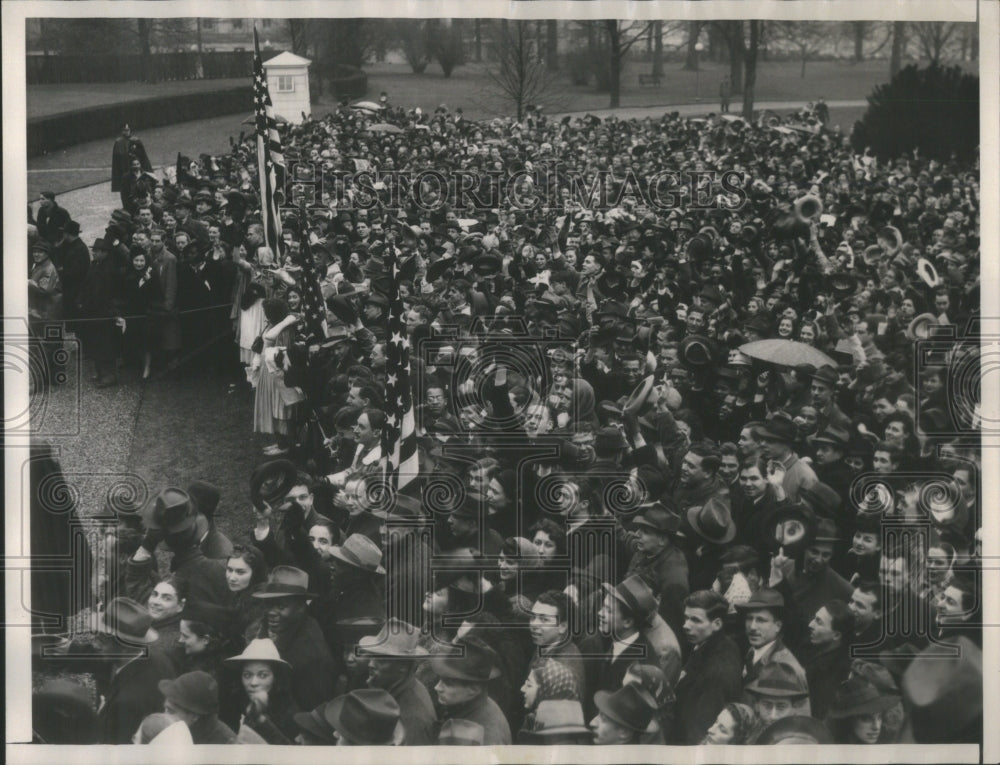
point(778, 680)
point(779, 428)
point(479, 664)
point(625, 707)
point(396, 638)
point(919, 326)
point(697, 351)
point(285, 582)
point(796, 729)
point(271, 481)
point(558, 718)
point(439, 268)
point(221, 618)
point(458, 732)
point(833, 435)
point(129, 621)
point(821, 499)
point(765, 597)
point(360, 552)
point(342, 308)
point(260, 649)
point(928, 273)
point(826, 531)
point(639, 396)
point(610, 438)
point(788, 525)
point(827, 375)
point(205, 496)
point(858, 696)
point(712, 522)
point(317, 723)
point(173, 511)
point(196, 692)
point(62, 713)
point(634, 594)
point(658, 518)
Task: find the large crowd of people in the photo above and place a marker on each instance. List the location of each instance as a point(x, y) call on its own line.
point(697, 473)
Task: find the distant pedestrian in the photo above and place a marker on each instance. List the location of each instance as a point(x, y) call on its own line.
point(725, 94)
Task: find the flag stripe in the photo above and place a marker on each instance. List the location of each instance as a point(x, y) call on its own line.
point(270, 155)
point(313, 306)
point(399, 438)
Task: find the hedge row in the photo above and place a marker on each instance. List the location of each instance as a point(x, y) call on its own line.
point(55, 131)
point(348, 82)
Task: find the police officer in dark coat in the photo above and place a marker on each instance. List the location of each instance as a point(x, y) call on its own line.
point(126, 147)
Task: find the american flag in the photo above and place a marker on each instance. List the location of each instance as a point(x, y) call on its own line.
point(313, 307)
point(270, 157)
point(399, 437)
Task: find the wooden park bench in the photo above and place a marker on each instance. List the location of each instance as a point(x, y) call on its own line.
point(649, 79)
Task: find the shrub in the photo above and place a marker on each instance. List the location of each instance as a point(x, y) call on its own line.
point(934, 110)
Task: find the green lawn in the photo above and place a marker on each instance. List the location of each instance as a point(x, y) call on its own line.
point(469, 88)
point(52, 99)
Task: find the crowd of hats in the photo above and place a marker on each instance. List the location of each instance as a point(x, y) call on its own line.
point(786, 322)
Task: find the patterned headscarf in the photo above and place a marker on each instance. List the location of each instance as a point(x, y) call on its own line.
point(747, 722)
point(556, 682)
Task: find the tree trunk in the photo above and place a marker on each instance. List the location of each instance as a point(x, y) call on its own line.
point(974, 44)
point(859, 28)
point(478, 31)
point(805, 57)
point(898, 37)
point(737, 51)
point(552, 44)
point(751, 70)
point(691, 59)
point(145, 51)
point(614, 62)
point(658, 49)
point(199, 64)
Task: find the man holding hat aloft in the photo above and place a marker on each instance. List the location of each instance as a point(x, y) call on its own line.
point(173, 520)
point(461, 688)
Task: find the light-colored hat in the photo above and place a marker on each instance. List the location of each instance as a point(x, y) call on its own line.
point(261, 649)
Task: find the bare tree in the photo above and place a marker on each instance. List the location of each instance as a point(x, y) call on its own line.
point(691, 62)
point(750, 81)
point(517, 77)
point(657, 48)
point(733, 33)
point(620, 37)
point(445, 43)
point(412, 34)
point(859, 31)
point(299, 31)
point(552, 44)
point(898, 47)
point(933, 37)
point(806, 37)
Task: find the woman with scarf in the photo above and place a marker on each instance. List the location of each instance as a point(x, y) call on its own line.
point(549, 680)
